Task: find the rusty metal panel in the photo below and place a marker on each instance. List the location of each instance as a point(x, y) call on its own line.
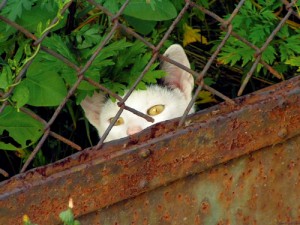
point(163, 154)
point(259, 188)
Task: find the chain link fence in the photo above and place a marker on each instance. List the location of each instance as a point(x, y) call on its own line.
point(117, 24)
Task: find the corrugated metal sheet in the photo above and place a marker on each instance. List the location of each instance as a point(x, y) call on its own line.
point(207, 172)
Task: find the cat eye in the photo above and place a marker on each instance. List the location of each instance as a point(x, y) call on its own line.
point(120, 121)
point(155, 110)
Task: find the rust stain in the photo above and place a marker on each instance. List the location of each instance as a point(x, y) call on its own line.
point(246, 190)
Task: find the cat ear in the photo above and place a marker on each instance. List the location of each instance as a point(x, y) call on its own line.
point(177, 77)
point(92, 108)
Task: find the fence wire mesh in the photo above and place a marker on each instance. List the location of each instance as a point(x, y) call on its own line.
point(116, 26)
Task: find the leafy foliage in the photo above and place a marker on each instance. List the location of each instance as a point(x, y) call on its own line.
point(157, 12)
point(25, 13)
point(18, 7)
point(20, 127)
point(143, 15)
point(255, 23)
point(294, 61)
point(48, 79)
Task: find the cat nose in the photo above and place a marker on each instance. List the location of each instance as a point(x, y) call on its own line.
point(133, 130)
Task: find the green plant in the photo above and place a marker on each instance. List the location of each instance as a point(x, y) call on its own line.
point(255, 22)
point(48, 79)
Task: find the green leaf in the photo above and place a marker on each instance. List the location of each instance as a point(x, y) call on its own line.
point(93, 75)
point(24, 44)
point(234, 51)
point(152, 75)
point(53, 65)
point(6, 78)
point(204, 3)
point(112, 5)
point(29, 17)
point(269, 55)
point(88, 36)
point(205, 97)
point(128, 57)
point(258, 33)
point(14, 8)
point(18, 130)
point(289, 47)
point(141, 26)
point(281, 68)
point(109, 50)
point(209, 81)
point(115, 86)
point(67, 216)
point(164, 10)
point(6, 41)
point(294, 61)
point(68, 74)
point(20, 96)
point(268, 15)
point(102, 61)
point(285, 52)
point(57, 43)
point(46, 87)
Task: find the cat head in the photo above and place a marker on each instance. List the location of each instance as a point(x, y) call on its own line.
point(160, 102)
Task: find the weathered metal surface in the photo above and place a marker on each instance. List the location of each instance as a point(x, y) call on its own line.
point(124, 169)
point(259, 188)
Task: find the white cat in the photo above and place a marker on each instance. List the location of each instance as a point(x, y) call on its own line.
point(160, 102)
